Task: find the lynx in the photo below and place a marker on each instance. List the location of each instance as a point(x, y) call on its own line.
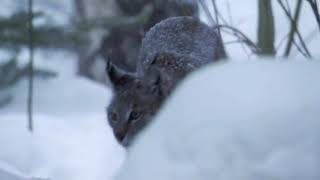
point(170, 50)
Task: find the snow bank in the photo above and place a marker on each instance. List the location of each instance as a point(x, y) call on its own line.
point(235, 121)
point(59, 149)
point(72, 139)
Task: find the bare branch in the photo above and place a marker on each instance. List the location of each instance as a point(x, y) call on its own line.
point(314, 7)
point(216, 13)
point(242, 37)
point(207, 11)
point(294, 28)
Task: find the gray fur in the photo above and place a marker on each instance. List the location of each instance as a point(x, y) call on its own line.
point(188, 38)
point(170, 50)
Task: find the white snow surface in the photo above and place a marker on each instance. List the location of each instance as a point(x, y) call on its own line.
point(71, 140)
point(76, 148)
point(245, 121)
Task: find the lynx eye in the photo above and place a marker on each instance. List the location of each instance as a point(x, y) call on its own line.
point(134, 115)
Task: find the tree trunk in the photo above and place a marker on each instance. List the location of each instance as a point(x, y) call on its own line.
point(266, 29)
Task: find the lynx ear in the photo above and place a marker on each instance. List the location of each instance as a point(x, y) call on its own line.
point(118, 77)
point(154, 81)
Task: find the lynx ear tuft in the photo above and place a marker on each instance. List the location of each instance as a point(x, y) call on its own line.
point(118, 77)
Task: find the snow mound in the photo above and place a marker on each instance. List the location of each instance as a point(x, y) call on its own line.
point(58, 149)
point(8, 172)
point(71, 140)
point(248, 121)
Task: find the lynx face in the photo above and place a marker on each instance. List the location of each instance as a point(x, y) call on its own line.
point(135, 102)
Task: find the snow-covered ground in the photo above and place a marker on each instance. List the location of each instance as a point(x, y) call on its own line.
point(77, 148)
point(231, 121)
point(71, 140)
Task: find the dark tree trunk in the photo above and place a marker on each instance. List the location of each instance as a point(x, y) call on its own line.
point(266, 29)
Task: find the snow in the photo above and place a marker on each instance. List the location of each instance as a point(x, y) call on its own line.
point(257, 120)
point(76, 148)
point(71, 140)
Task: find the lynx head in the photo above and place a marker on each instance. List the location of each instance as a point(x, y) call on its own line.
point(135, 102)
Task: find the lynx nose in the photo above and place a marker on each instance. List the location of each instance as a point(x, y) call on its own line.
point(126, 141)
point(121, 134)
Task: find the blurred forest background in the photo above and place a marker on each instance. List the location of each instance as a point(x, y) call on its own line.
point(96, 31)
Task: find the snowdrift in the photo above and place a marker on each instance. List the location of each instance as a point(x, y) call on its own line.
point(71, 140)
point(249, 121)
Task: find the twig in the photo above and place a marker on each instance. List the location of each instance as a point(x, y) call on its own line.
point(299, 48)
point(207, 12)
point(216, 13)
point(242, 37)
point(295, 28)
point(232, 24)
point(229, 12)
point(314, 7)
point(292, 29)
point(309, 38)
point(288, 6)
